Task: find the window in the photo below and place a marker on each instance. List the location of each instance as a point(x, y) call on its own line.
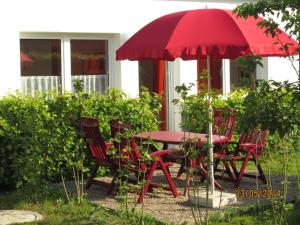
point(89, 62)
point(40, 65)
point(54, 61)
point(239, 78)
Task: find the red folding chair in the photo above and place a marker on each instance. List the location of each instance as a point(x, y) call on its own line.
point(98, 149)
point(140, 168)
point(249, 148)
point(224, 122)
point(223, 125)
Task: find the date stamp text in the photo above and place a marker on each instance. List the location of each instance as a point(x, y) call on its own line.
point(257, 193)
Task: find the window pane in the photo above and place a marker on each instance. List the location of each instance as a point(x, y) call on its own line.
point(89, 57)
point(40, 57)
point(89, 62)
point(40, 65)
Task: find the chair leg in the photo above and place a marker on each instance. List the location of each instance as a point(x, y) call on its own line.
point(149, 178)
point(233, 166)
point(204, 175)
point(168, 178)
point(181, 170)
point(189, 175)
point(217, 161)
point(227, 169)
point(261, 173)
point(113, 184)
point(242, 171)
point(93, 174)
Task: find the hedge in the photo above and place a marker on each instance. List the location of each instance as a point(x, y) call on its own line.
point(40, 139)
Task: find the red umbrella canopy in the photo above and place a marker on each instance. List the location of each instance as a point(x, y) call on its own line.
point(198, 33)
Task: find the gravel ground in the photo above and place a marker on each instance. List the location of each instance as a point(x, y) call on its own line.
point(162, 205)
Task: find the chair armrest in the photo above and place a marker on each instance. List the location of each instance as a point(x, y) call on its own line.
point(248, 145)
point(230, 142)
point(160, 153)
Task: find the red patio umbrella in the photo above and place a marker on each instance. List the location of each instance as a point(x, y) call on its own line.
point(195, 34)
point(204, 33)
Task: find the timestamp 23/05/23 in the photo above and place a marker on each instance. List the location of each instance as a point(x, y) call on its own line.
point(257, 193)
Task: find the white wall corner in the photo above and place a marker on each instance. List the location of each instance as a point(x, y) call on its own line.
point(188, 74)
point(66, 65)
point(114, 65)
point(262, 72)
point(173, 80)
point(226, 76)
point(10, 80)
point(128, 78)
point(281, 69)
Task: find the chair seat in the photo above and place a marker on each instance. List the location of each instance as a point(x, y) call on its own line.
point(232, 157)
point(135, 157)
point(175, 156)
point(248, 148)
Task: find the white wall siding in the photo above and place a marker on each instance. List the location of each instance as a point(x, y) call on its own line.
point(281, 69)
point(113, 20)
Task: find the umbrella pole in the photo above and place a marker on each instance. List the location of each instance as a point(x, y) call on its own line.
point(209, 112)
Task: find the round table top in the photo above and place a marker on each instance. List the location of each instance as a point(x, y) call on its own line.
point(178, 137)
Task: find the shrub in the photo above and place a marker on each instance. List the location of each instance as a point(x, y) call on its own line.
point(273, 105)
point(40, 139)
point(194, 109)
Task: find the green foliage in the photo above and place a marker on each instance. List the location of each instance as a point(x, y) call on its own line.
point(255, 215)
point(286, 10)
point(40, 139)
point(194, 107)
point(249, 64)
point(51, 203)
point(274, 105)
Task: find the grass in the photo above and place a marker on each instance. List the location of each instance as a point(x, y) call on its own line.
point(51, 203)
point(258, 215)
point(274, 163)
point(55, 210)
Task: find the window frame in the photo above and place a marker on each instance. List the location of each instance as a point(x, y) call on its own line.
point(65, 39)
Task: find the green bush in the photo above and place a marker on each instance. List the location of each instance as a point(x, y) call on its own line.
point(273, 105)
point(194, 109)
point(40, 139)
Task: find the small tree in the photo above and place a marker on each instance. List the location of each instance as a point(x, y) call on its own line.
point(275, 105)
point(287, 11)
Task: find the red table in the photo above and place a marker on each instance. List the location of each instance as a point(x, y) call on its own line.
point(178, 137)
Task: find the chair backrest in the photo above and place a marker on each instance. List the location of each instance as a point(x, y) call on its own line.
point(224, 122)
point(93, 138)
point(255, 136)
point(249, 137)
point(262, 141)
point(121, 129)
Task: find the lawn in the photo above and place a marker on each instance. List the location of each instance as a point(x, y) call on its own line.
point(55, 210)
point(52, 204)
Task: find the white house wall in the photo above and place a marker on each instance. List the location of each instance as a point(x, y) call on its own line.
point(281, 69)
point(111, 19)
point(121, 18)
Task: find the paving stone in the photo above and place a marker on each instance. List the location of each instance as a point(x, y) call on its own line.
point(18, 216)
